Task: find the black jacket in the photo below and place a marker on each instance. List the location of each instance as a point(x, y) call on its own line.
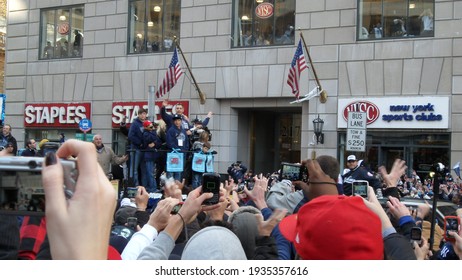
point(360, 173)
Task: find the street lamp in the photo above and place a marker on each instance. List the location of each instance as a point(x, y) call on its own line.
point(318, 123)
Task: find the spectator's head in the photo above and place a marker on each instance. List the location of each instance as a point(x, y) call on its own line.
point(42, 142)
point(333, 227)
point(245, 226)
point(206, 147)
point(31, 144)
point(213, 243)
point(179, 109)
point(331, 168)
point(148, 125)
point(98, 140)
point(142, 114)
point(6, 129)
point(352, 162)
point(123, 214)
point(177, 120)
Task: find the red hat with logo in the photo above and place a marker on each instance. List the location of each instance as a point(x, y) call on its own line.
point(332, 227)
point(147, 123)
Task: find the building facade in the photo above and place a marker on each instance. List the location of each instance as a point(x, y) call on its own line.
point(73, 59)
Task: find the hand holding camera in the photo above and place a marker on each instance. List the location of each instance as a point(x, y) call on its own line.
point(74, 231)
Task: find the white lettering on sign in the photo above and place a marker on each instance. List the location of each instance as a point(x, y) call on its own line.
point(51, 114)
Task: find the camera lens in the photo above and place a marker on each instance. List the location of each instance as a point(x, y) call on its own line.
point(32, 164)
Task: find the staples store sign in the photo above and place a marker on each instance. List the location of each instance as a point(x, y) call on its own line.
point(397, 112)
point(120, 110)
point(56, 114)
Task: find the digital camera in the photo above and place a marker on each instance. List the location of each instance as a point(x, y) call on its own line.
point(21, 183)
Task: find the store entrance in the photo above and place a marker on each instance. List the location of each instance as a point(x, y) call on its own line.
point(273, 136)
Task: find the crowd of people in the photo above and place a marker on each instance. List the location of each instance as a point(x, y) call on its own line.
point(281, 219)
point(257, 216)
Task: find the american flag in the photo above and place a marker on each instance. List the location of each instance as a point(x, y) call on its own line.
point(297, 66)
point(171, 77)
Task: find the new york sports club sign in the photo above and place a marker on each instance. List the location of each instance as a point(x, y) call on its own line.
point(397, 112)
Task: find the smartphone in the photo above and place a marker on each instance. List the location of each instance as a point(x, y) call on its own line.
point(293, 172)
point(416, 235)
point(21, 189)
point(451, 223)
point(132, 222)
point(211, 183)
point(360, 187)
point(132, 192)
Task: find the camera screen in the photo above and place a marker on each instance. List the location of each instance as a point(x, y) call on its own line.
point(21, 191)
point(290, 172)
point(131, 192)
point(416, 234)
point(360, 188)
point(452, 224)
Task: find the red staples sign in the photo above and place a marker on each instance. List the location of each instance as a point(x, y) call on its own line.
point(120, 110)
point(63, 115)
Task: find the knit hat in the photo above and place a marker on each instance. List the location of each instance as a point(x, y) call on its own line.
point(147, 123)
point(245, 226)
point(333, 227)
point(213, 243)
point(43, 141)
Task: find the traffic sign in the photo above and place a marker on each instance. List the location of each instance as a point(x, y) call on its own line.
point(85, 125)
point(356, 132)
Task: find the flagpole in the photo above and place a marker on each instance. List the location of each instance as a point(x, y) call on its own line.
point(323, 93)
point(201, 94)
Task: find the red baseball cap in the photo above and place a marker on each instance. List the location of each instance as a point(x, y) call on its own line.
point(147, 123)
point(332, 227)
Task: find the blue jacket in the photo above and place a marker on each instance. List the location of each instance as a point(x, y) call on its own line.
point(135, 134)
point(148, 138)
point(175, 134)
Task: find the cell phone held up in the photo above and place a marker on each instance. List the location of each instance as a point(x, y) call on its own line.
point(451, 223)
point(360, 187)
point(293, 172)
point(416, 235)
point(211, 184)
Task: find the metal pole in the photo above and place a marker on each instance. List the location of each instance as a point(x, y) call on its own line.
point(201, 94)
point(436, 188)
point(151, 105)
point(322, 92)
point(311, 62)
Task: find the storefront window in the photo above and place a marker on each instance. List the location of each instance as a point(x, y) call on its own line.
point(263, 22)
point(382, 19)
point(420, 151)
point(153, 24)
point(61, 33)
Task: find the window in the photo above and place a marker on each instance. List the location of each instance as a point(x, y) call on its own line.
point(153, 24)
point(61, 33)
point(380, 19)
point(263, 22)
